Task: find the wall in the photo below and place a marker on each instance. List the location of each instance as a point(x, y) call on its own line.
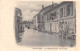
point(47, 26)
point(55, 23)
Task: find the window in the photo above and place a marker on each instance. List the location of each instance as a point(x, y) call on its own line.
point(52, 16)
point(38, 18)
point(42, 19)
point(68, 10)
point(18, 14)
point(71, 9)
point(61, 12)
point(47, 17)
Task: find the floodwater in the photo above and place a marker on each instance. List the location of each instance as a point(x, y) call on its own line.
point(36, 38)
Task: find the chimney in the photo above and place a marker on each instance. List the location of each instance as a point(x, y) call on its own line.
point(42, 6)
point(52, 4)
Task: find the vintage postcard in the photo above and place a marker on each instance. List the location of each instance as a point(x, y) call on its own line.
point(44, 25)
point(41, 23)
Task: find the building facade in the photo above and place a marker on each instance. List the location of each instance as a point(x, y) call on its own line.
point(59, 18)
point(18, 24)
point(41, 16)
point(26, 23)
point(35, 22)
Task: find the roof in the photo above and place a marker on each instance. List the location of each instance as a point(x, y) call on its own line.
point(18, 10)
point(45, 8)
point(35, 15)
point(54, 6)
point(58, 5)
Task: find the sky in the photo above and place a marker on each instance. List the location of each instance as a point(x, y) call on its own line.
point(31, 8)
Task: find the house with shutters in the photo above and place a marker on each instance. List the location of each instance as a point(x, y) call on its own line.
point(59, 18)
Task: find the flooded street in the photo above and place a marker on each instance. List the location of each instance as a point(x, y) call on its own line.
point(35, 38)
point(49, 24)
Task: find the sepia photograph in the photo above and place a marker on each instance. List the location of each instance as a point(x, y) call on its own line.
point(45, 23)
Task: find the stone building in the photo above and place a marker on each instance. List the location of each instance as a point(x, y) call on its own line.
point(18, 24)
point(35, 22)
point(41, 15)
point(59, 18)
